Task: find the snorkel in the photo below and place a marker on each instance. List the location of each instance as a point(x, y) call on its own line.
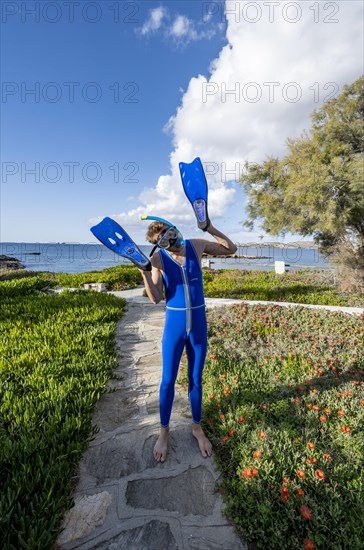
point(179, 241)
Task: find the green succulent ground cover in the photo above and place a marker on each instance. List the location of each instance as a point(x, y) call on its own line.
point(116, 278)
point(56, 354)
point(284, 408)
point(304, 287)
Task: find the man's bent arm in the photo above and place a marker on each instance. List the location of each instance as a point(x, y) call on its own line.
point(224, 245)
point(153, 283)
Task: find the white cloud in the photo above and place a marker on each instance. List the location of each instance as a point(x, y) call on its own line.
point(154, 22)
point(180, 29)
point(309, 59)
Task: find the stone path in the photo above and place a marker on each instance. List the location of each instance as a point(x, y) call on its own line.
point(124, 499)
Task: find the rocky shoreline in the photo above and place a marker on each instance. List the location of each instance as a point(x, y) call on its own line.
point(10, 264)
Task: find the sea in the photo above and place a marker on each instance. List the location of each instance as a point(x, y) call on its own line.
point(79, 258)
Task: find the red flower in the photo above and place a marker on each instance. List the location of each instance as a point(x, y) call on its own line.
point(308, 544)
point(305, 512)
point(241, 419)
point(231, 432)
point(345, 429)
point(320, 474)
point(225, 439)
point(300, 492)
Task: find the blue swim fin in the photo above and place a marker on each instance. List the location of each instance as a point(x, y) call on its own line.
point(112, 235)
point(195, 187)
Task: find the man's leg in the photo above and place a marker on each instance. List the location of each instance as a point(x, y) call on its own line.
point(173, 343)
point(196, 347)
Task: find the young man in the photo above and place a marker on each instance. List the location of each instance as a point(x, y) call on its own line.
point(177, 265)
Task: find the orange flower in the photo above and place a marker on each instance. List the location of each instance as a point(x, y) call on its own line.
point(284, 489)
point(222, 375)
point(297, 400)
point(241, 419)
point(225, 439)
point(231, 432)
point(308, 544)
point(305, 512)
point(326, 456)
point(323, 418)
point(222, 416)
point(320, 474)
point(262, 435)
point(301, 388)
point(285, 479)
point(209, 421)
point(340, 413)
point(309, 405)
point(361, 401)
point(315, 408)
point(310, 445)
point(300, 492)
point(311, 460)
point(284, 497)
point(247, 473)
point(345, 429)
point(254, 471)
point(301, 474)
point(327, 411)
point(257, 454)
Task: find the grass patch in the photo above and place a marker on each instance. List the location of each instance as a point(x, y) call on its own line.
point(117, 278)
point(284, 408)
point(56, 354)
point(305, 287)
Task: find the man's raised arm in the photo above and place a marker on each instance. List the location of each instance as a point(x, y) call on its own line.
point(223, 247)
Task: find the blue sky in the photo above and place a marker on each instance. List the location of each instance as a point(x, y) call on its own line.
point(160, 57)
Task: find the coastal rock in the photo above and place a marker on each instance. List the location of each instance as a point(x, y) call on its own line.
point(10, 264)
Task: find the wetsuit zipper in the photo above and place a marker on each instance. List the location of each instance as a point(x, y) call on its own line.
point(186, 289)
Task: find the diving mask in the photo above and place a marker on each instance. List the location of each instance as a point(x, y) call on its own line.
point(168, 237)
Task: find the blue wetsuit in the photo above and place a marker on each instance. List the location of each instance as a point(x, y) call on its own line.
point(185, 325)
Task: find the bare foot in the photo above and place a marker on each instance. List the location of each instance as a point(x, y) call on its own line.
point(161, 446)
point(203, 442)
